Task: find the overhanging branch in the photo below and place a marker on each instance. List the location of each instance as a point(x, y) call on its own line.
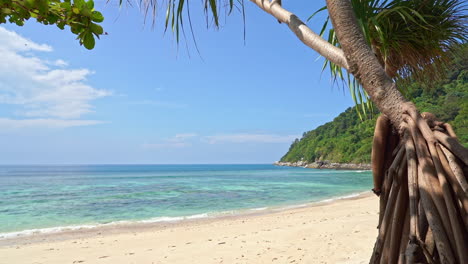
point(303, 32)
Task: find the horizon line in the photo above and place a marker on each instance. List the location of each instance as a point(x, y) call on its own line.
point(104, 164)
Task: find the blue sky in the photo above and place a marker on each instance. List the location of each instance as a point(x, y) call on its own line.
point(138, 97)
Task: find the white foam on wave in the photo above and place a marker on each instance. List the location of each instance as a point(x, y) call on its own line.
point(173, 218)
point(197, 216)
point(343, 197)
point(161, 219)
point(294, 206)
point(49, 230)
point(59, 229)
point(353, 195)
point(259, 209)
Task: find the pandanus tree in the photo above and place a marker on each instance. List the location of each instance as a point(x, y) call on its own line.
point(419, 172)
point(420, 169)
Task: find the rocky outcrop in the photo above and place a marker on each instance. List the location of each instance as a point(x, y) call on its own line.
point(325, 165)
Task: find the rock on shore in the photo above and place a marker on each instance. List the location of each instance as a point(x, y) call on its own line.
point(325, 165)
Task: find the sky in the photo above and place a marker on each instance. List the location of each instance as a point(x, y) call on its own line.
point(140, 98)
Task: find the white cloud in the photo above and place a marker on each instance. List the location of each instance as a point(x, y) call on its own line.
point(6, 123)
point(249, 138)
point(12, 41)
point(40, 90)
point(60, 63)
point(188, 139)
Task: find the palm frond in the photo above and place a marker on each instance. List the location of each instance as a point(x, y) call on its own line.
point(413, 40)
point(178, 11)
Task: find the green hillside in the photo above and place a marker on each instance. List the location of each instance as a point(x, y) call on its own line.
point(347, 139)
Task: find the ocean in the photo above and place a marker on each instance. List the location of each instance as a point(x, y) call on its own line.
point(51, 198)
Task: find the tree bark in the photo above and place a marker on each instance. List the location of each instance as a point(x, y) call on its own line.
point(303, 32)
point(364, 65)
point(378, 152)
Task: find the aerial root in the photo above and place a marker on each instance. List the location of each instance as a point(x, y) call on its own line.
point(378, 151)
point(423, 193)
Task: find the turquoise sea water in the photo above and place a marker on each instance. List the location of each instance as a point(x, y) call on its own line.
point(46, 197)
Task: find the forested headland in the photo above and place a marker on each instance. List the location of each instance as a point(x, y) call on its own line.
point(348, 139)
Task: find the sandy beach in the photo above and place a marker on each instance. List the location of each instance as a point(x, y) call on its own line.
point(341, 231)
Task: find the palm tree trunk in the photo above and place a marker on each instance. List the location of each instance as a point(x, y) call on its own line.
point(422, 177)
point(303, 32)
point(364, 65)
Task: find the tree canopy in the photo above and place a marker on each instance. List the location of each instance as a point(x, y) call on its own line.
point(78, 15)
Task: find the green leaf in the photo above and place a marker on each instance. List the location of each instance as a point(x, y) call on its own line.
point(168, 14)
point(79, 3)
point(42, 6)
point(30, 3)
point(320, 10)
point(96, 16)
point(6, 11)
point(179, 18)
point(96, 29)
point(88, 40)
point(61, 25)
point(75, 29)
point(324, 27)
point(66, 5)
point(214, 11)
point(86, 12)
point(231, 5)
point(90, 4)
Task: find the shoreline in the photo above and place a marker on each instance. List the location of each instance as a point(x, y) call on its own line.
point(325, 165)
point(339, 231)
point(51, 233)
